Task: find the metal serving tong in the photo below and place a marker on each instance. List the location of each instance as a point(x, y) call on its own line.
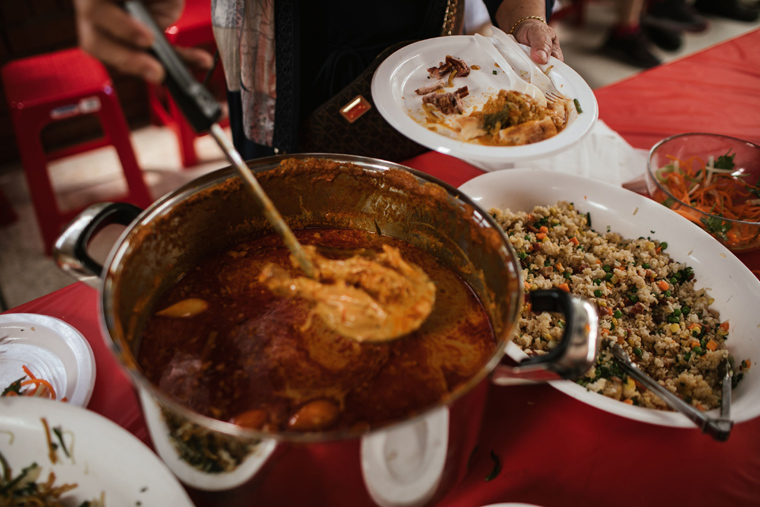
point(719, 428)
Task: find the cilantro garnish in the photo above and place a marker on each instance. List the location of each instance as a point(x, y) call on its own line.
point(14, 387)
point(755, 190)
point(725, 161)
point(496, 467)
point(716, 226)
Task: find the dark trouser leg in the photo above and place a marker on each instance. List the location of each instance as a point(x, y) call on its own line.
point(247, 148)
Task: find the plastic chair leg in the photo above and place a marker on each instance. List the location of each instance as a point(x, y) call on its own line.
point(115, 127)
point(40, 186)
point(7, 214)
point(185, 136)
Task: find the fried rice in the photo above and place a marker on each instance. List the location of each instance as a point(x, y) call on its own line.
point(646, 301)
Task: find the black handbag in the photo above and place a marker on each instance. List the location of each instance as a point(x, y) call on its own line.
point(350, 123)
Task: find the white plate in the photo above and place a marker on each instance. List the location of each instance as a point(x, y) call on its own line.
point(735, 289)
point(52, 350)
point(405, 70)
point(106, 458)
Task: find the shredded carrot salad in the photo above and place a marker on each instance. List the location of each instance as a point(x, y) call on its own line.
point(30, 385)
point(719, 191)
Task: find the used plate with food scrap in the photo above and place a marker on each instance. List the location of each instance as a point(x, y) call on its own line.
point(52, 350)
point(83, 448)
point(406, 70)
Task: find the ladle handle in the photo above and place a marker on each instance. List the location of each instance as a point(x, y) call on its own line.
point(271, 213)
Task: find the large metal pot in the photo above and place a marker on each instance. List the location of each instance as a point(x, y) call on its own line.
point(406, 463)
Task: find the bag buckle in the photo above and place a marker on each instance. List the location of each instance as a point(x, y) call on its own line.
point(355, 108)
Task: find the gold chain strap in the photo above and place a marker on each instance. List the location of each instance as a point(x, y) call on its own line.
point(450, 18)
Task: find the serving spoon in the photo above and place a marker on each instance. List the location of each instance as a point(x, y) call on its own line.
point(719, 428)
point(347, 308)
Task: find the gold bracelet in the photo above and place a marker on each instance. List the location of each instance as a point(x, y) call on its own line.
point(526, 18)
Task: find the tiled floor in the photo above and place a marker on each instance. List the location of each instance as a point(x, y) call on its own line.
point(25, 273)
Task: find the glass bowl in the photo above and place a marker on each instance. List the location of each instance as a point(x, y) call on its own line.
point(712, 180)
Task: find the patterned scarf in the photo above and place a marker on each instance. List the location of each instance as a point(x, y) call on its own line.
point(244, 32)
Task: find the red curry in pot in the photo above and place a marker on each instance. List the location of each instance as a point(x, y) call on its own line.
point(259, 360)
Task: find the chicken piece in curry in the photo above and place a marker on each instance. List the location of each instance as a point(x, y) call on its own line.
point(368, 298)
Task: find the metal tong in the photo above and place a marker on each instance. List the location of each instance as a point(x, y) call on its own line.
point(719, 428)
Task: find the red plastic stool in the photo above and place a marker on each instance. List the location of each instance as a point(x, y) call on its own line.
point(46, 88)
point(193, 29)
point(7, 215)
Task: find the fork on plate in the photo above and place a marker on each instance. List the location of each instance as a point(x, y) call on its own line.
point(516, 82)
point(537, 76)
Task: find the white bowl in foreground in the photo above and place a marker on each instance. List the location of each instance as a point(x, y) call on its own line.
point(98, 455)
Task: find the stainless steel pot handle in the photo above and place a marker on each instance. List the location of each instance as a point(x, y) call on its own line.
point(574, 355)
point(70, 249)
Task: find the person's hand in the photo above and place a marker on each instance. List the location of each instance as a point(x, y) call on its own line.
point(541, 38)
point(110, 34)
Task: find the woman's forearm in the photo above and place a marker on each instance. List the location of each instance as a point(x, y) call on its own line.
point(511, 11)
point(526, 20)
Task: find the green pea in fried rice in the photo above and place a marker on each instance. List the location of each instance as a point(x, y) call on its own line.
point(646, 302)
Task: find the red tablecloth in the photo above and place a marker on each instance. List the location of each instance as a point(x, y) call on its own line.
point(554, 450)
point(715, 90)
